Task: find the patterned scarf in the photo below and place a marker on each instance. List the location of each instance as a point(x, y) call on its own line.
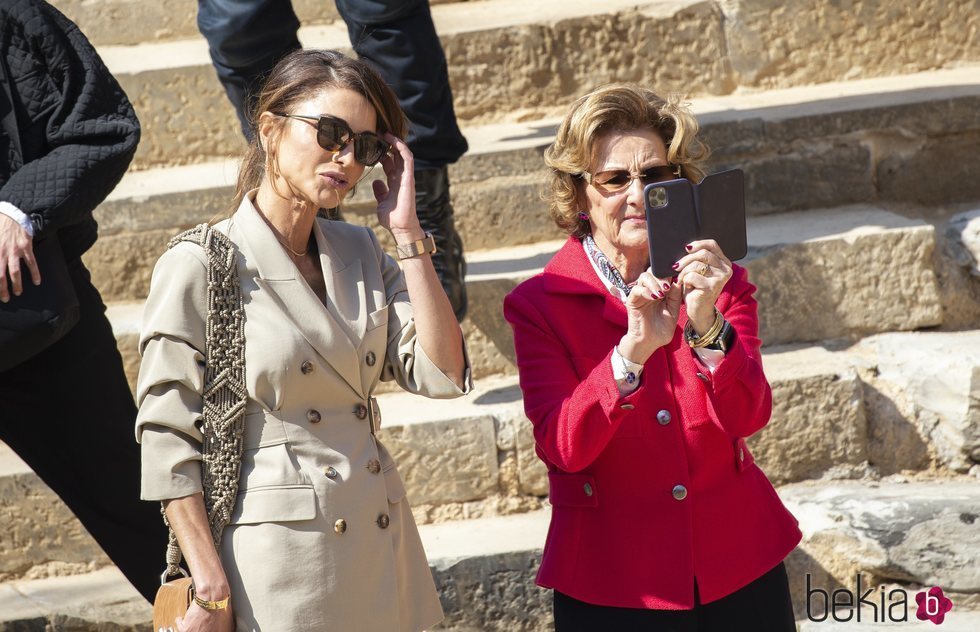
point(608, 269)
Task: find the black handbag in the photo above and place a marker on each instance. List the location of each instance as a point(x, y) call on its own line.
point(42, 314)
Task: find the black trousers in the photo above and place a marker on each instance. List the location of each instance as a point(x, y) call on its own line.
point(69, 414)
point(762, 606)
point(247, 37)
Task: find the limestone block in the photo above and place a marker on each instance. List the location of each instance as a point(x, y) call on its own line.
point(818, 421)
point(820, 41)
point(939, 375)
point(122, 264)
point(823, 275)
point(484, 571)
point(821, 174)
point(958, 271)
point(185, 116)
point(900, 174)
point(913, 113)
point(895, 442)
point(120, 22)
point(923, 533)
point(532, 472)
point(486, 358)
point(107, 22)
point(494, 593)
point(444, 461)
point(492, 213)
point(963, 240)
point(99, 601)
point(543, 65)
point(174, 211)
point(39, 530)
point(486, 313)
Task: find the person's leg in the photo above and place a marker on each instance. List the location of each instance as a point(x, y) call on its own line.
point(572, 615)
point(246, 38)
point(398, 38)
point(764, 605)
point(69, 414)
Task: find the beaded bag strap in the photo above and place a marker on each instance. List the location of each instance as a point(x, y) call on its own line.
point(225, 394)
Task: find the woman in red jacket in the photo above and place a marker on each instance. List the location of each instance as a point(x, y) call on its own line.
point(642, 391)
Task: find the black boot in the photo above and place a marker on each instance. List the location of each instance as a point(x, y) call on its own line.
point(435, 213)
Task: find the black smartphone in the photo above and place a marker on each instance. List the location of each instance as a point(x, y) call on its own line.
point(678, 212)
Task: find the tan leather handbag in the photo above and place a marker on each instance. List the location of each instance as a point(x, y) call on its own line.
point(172, 601)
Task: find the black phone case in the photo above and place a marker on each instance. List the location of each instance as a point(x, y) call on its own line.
point(721, 205)
point(671, 223)
point(679, 212)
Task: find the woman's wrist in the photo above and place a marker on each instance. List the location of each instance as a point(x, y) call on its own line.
point(634, 350)
point(408, 234)
point(212, 591)
point(701, 323)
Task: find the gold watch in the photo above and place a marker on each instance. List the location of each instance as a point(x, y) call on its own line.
point(424, 246)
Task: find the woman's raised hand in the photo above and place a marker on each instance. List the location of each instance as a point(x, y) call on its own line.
point(651, 310)
point(702, 273)
point(396, 196)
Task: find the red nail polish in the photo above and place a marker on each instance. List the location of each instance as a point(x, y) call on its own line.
point(666, 286)
point(676, 265)
point(688, 247)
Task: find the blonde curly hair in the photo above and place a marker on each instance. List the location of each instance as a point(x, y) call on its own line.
point(615, 108)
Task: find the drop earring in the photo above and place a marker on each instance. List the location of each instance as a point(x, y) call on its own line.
point(583, 216)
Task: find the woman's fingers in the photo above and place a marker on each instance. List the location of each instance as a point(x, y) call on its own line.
point(399, 154)
point(380, 190)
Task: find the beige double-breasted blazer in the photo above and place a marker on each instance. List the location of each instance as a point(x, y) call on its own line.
point(321, 537)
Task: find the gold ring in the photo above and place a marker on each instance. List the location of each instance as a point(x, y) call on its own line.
point(704, 269)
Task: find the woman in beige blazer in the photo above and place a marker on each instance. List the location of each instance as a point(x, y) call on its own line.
point(321, 536)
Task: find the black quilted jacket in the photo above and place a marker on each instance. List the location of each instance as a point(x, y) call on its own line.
point(76, 131)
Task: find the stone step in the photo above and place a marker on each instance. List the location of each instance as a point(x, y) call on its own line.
point(838, 261)
point(803, 148)
point(41, 536)
point(124, 22)
point(905, 536)
point(99, 601)
point(510, 59)
point(837, 414)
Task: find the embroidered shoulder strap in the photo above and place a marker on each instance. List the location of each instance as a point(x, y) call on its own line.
point(225, 395)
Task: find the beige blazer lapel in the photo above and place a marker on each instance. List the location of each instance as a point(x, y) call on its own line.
point(343, 276)
point(279, 276)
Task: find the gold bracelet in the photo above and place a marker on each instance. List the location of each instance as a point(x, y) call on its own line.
point(697, 342)
point(220, 604)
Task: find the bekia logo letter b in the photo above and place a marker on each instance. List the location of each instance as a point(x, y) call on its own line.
point(933, 605)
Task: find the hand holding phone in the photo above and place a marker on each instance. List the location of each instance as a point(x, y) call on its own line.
point(678, 212)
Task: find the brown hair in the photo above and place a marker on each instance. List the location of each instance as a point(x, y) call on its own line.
point(612, 108)
point(298, 76)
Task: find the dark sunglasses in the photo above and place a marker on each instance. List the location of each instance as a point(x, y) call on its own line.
point(616, 180)
point(333, 134)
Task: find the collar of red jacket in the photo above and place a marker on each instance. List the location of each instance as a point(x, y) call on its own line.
point(569, 272)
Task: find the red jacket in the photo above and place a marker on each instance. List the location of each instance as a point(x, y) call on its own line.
point(619, 535)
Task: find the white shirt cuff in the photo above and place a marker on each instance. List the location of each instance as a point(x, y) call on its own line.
point(710, 358)
point(625, 372)
point(14, 213)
